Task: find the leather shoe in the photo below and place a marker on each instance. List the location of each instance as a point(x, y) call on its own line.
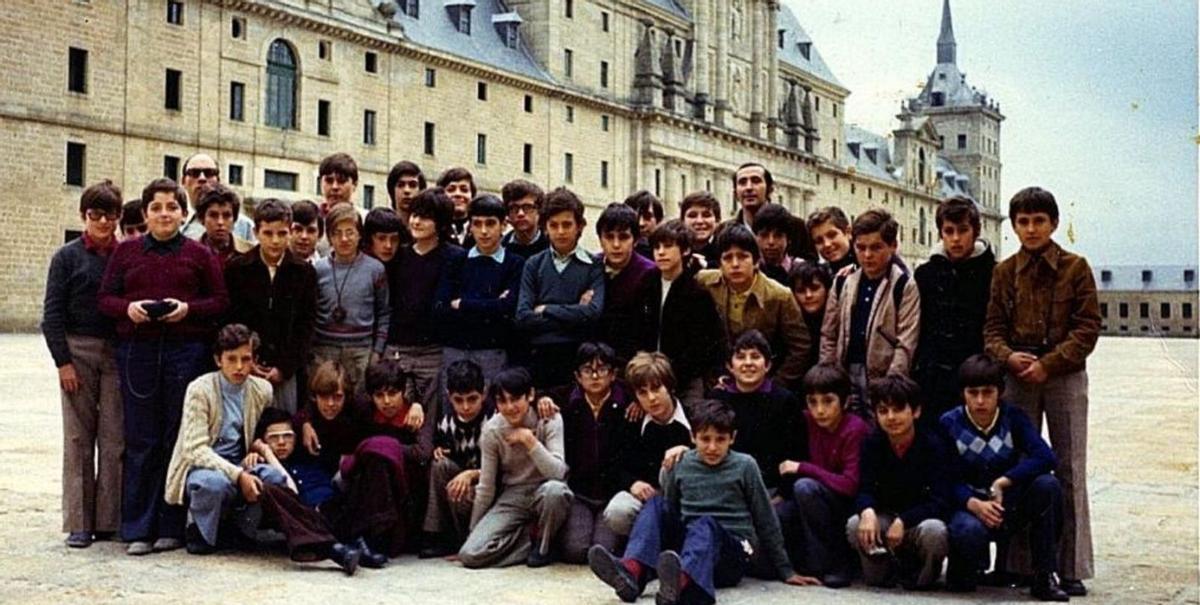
point(196, 544)
point(79, 539)
point(670, 572)
point(346, 557)
point(610, 571)
point(1074, 588)
point(537, 558)
point(370, 559)
point(1046, 588)
point(835, 579)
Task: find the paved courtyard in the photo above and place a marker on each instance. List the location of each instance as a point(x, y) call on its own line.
point(1143, 477)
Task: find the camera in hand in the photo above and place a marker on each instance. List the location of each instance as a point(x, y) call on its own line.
point(159, 309)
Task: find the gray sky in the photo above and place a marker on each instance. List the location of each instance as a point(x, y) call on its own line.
point(1100, 100)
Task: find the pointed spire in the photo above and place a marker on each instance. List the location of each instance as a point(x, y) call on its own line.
point(946, 47)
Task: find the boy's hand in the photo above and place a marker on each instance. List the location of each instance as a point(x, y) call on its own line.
point(309, 436)
point(459, 488)
point(546, 408)
point(538, 310)
point(672, 456)
point(799, 580)
point(895, 534)
point(503, 294)
point(522, 436)
point(439, 453)
point(642, 491)
point(868, 531)
point(789, 467)
point(454, 304)
point(68, 379)
point(998, 486)
point(1035, 373)
point(252, 459)
point(415, 417)
point(1019, 361)
point(990, 513)
point(250, 485)
point(180, 312)
point(137, 312)
point(586, 299)
point(634, 412)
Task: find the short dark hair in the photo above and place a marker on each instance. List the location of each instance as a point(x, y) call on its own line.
point(751, 339)
point(827, 378)
point(305, 212)
point(712, 414)
point(645, 203)
point(103, 196)
point(131, 213)
point(1031, 200)
point(515, 381)
point(271, 415)
point(486, 204)
point(272, 210)
point(383, 220)
point(895, 391)
point(673, 233)
point(957, 209)
point(826, 215)
point(521, 189)
point(703, 199)
point(739, 236)
point(774, 217)
point(387, 374)
point(464, 376)
point(339, 163)
point(876, 220)
point(593, 351)
point(981, 370)
point(618, 217)
point(217, 194)
point(562, 200)
point(803, 274)
point(433, 203)
point(233, 336)
point(457, 173)
point(403, 168)
point(766, 176)
point(164, 185)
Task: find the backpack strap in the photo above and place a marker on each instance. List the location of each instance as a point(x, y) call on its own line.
point(898, 292)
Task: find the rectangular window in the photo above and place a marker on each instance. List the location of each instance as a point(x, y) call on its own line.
point(372, 63)
point(1144, 311)
point(481, 148)
point(816, 104)
point(237, 101)
point(76, 164)
point(527, 159)
point(368, 127)
point(277, 179)
point(604, 123)
point(1123, 310)
point(481, 91)
point(1104, 310)
point(604, 74)
point(410, 8)
point(429, 138)
point(235, 174)
point(569, 167)
point(962, 141)
point(430, 77)
point(464, 21)
point(325, 50)
point(604, 21)
point(570, 114)
point(173, 93)
point(604, 174)
point(658, 182)
point(368, 196)
point(171, 167)
point(568, 62)
point(1164, 310)
point(323, 109)
point(569, 9)
point(528, 103)
point(77, 70)
point(1186, 310)
point(175, 12)
point(835, 106)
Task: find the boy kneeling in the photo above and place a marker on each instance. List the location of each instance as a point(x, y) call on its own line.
point(1004, 482)
point(708, 483)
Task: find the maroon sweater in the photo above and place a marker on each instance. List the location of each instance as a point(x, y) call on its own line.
point(146, 269)
point(834, 456)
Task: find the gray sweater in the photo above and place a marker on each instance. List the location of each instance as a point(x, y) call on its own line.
point(564, 320)
point(503, 465)
point(733, 494)
point(364, 298)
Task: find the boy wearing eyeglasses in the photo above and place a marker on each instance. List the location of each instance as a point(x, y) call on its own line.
point(523, 201)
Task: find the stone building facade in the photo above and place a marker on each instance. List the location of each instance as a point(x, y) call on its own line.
point(603, 96)
point(1149, 300)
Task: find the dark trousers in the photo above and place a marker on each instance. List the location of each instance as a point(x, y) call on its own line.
point(552, 365)
point(154, 377)
point(712, 557)
point(309, 534)
point(1037, 505)
point(939, 385)
point(812, 520)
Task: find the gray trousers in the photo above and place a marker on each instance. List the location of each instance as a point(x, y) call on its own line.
point(621, 512)
point(285, 395)
point(500, 539)
point(92, 424)
point(920, 555)
point(425, 362)
point(585, 527)
point(440, 513)
point(1063, 402)
point(210, 493)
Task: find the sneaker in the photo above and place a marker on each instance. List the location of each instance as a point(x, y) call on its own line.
point(138, 548)
point(79, 539)
point(165, 544)
point(610, 571)
point(669, 568)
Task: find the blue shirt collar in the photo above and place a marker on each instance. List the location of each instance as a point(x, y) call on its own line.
point(497, 256)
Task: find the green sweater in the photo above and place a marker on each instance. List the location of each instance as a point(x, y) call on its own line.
point(733, 494)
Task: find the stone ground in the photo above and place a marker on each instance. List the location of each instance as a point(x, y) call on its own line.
point(1142, 474)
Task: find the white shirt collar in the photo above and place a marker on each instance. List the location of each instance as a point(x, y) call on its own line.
point(679, 416)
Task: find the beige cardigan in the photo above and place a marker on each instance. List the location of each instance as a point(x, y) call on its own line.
point(891, 332)
point(202, 412)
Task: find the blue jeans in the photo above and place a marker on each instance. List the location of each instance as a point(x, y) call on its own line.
point(812, 520)
point(210, 492)
point(1037, 504)
point(154, 377)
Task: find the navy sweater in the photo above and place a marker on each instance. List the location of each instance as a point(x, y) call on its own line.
point(413, 279)
point(70, 306)
point(915, 487)
point(1013, 449)
point(564, 320)
point(488, 291)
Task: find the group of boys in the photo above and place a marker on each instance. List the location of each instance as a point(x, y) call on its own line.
point(419, 379)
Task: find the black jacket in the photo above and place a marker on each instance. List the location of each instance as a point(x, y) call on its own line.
point(954, 300)
point(688, 329)
point(282, 312)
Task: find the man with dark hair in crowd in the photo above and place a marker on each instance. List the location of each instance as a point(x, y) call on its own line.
point(218, 207)
point(649, 213)
point(404, 182)
point(338, 174)
point(460, 188)
point(200, 171)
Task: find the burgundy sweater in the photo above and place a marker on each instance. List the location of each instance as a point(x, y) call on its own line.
point(141, 269)
point(833, 457)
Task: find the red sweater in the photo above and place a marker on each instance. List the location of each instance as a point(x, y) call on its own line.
point(833, 457)
point(141, 269)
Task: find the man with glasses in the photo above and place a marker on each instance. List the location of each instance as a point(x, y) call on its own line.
point(200, 171)
point(523, 201)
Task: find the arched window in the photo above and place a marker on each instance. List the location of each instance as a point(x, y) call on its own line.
point(921, 165)
point(281, 85)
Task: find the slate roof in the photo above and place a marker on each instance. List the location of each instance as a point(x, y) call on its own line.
point(670, 6)
point(1126, 278)
point(950, 180)
point(793, 35)
point(855, 136)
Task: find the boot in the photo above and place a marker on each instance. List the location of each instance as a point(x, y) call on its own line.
point(346, 557)
point(1045, 588)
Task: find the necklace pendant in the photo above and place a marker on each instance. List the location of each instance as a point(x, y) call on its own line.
point(339, 314)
